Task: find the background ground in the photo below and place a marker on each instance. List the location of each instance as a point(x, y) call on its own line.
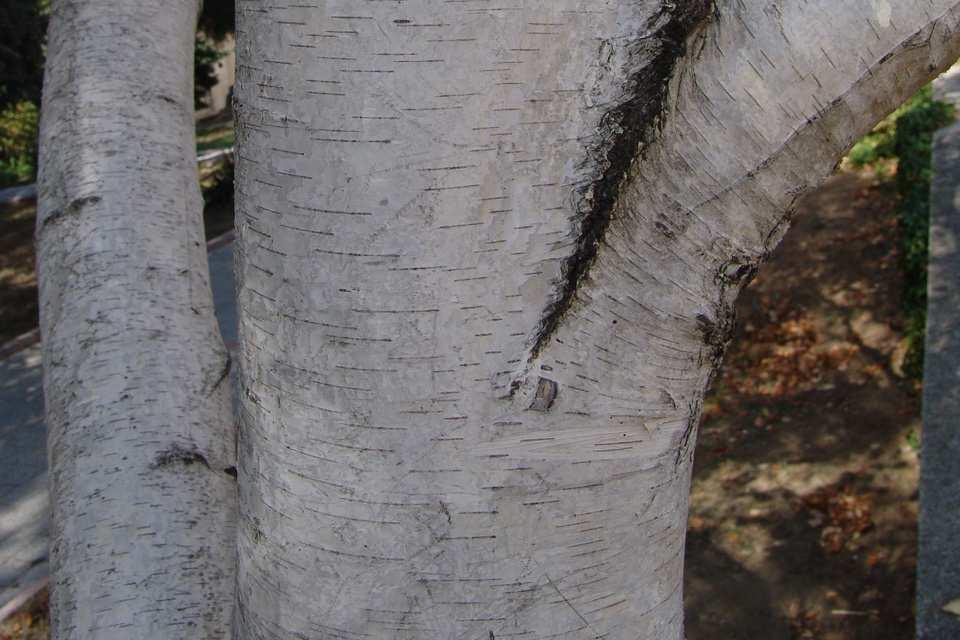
point(804, 505)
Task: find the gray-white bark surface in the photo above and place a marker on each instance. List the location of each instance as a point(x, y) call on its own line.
point(487, 265)
point(138, 410)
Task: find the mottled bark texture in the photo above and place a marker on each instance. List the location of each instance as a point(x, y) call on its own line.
point(488, 254)
point(138, 407)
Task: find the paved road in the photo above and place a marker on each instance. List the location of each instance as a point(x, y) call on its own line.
point(24, 506)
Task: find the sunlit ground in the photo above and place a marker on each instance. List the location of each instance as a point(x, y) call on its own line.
point(804, 505)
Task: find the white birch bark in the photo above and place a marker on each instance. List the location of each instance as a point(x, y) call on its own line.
point(481, 302)
point(138, 406)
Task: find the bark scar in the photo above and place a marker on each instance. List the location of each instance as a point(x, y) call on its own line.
point(224, 373)
point(72, 209)
point(628, 129)
point(567, 601)
point(685, 440)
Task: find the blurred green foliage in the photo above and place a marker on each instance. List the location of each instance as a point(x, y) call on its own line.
point(23, 25)
point(907, 137)
point(18, 142)
point(216, 22)
point(206, 55)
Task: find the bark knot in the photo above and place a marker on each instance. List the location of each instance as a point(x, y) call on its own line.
point(72, 209)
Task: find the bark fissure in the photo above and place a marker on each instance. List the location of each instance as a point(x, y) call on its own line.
point(544, 396)
point(177, 455)
point(224, 375)
point(626, 130)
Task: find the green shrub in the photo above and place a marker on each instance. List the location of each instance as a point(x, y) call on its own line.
point(206, 54)
point(875, 146)
point(18, 143)
point(906, 136)
point(913, 144)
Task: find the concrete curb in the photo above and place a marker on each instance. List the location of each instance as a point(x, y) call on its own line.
point(938, 561)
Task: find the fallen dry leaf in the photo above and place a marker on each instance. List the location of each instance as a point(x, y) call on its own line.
point(842, 514)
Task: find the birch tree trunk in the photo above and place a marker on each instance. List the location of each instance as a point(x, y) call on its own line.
point(488, 255)
point(141, 442)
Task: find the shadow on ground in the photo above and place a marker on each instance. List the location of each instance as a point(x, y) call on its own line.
point(803, 512)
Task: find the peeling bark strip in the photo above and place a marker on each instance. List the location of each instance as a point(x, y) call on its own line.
point(626, 130)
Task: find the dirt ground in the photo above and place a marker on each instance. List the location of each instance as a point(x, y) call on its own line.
point(18, 282)
point(30, 623)
point(804, 505)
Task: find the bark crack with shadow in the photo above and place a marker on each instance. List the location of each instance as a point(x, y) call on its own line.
point(73, 209)
point(626, 130)
point(177, 455)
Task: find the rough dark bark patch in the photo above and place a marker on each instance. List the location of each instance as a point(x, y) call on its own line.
point(72, 209)
point(685, 450)
point(717, 332)
point(629, 127)
point(178, 455)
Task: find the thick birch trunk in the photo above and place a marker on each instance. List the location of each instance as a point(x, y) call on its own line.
point(138, 406)
point(488, 258)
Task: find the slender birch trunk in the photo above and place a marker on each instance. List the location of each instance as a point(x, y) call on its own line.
point(488, 256)
point(141, 441)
